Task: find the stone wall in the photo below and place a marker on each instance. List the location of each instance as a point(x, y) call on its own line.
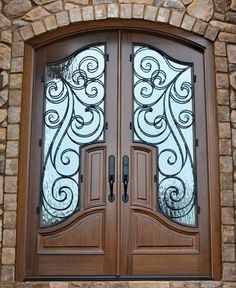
point(23, 19)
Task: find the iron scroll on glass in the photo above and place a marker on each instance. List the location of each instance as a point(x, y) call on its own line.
point(163, 116)
point(74, 116)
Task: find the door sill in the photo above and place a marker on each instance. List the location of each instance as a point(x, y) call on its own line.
point(117, 278)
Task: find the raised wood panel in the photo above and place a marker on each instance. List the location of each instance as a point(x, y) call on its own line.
point(85, 236)
point(165, 265)
point(94, 177)
point(153, 237)
point(142, 168)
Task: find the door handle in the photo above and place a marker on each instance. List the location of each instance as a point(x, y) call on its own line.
point(111, 177)
point(125, 164)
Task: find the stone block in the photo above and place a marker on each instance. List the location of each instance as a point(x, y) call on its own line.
point(59, 285)
point(9, 238)
point(228, 252)
point(125, 11)
point(188, 22)
point(148, 284)
point(211, 32)
point(26, 32)
point(17, 64)
point(55, 7)
point(222, 5)
point(35, 14)
point(2, 133)
point(16, 81)
point(7, 274)
point(9, 219)
point(222, 26)
point(10, 202)
point(226, 164)
point(176, 18)
point(10, 184)
point(174, 4)
point(16, 36)
point(12, 149)
point(229, 272)
point(103, 1)
point(218, 16)
point(4, 22)
point(88, 13)
point(3, 114)
point(100, 11)
point(5, 56)
point(177, 284)
point(50, 22)
point(220, 48)
point(224, 130)
point(80, 2)
point(199, 27)
point(2, 164)
point(228, 234)
point(201, 9)
point(227, 215)
point(15, 96)
point(231, 52)
point(223, 114)
point(14, 114)
point(227, 37)
point(138, 10)
point(227, 198)
point(225, 146)
point(113, 11)
point(163, 15)
point(6, 36)
point(223, 97)
point(8, 256)
point(226, 181)
point(75, 15)
point(11, 166)
point(62, 18)
point(232, 79)
point(38, 27)
point(221, 64)
point(222, 80)
point(231, 17)
point(18, 49)
point(13, 132)
point(150, 13)
point(16, 8)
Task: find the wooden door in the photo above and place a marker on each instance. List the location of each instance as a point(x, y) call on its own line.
point(97, 199)
point(73, 231)
point(163, 120)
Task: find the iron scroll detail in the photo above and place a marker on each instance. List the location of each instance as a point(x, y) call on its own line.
point(74, 96)
point(163, 116)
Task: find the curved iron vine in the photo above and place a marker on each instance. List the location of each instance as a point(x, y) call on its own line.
point(74, 116)
point(163, 117)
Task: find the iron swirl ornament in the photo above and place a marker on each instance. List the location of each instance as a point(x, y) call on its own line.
point(74, 116)
point(163, 116)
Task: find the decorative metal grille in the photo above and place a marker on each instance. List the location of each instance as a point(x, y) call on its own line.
point(163, 117)
point(74, 116)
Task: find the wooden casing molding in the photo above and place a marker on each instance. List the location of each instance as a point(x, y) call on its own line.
point(212, 124)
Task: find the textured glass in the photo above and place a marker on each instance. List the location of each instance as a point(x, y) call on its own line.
point(163, 117)
point(74, 116)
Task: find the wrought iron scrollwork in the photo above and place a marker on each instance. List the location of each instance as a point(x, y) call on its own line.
point(74, 116)
point(163, 117)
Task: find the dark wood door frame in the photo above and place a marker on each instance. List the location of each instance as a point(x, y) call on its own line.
point(179, 35)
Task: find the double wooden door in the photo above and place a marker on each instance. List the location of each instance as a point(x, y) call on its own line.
point(111, 201)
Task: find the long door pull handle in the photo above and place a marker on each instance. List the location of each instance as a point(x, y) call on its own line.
point(111, 177)
point(125, 197)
